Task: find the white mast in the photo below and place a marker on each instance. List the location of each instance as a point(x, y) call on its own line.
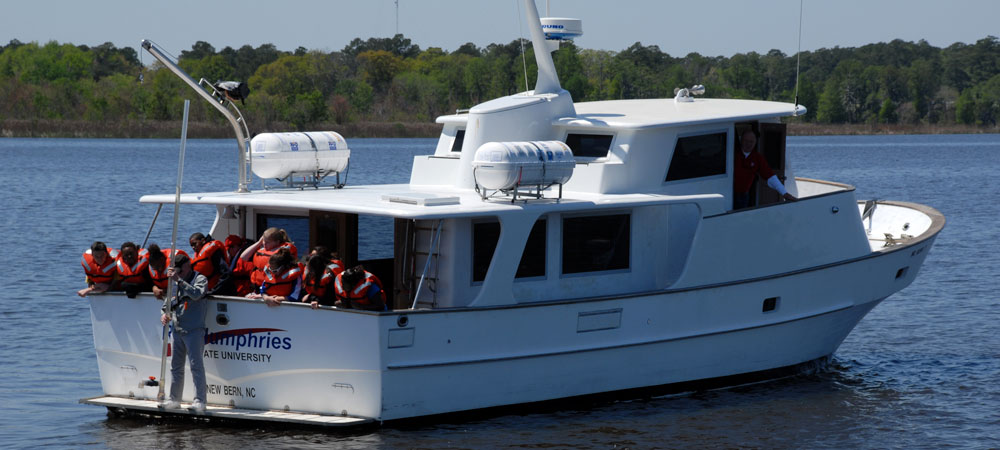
point(548, 79)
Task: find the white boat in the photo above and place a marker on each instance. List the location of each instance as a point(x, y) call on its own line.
point(633, 271)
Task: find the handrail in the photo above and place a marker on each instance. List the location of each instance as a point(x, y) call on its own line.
point(241, 137)
point(150, 231)
point(427, 264)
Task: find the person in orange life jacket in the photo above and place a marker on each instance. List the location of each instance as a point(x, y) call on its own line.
point(187, 315)
point(748, 164)
point(319, 273)
point(239, 270)
point(260, 252)
point(283, 279)
point(132, 266)
point(158, 268)
point(99, 265)
point(359, 289)
point(209, 259)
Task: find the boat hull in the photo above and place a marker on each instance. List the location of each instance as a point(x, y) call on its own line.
point(404, 364)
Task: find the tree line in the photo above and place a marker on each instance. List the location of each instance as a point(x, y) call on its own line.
point(394, 80)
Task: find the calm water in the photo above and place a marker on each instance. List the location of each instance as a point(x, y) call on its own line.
point(921, 370)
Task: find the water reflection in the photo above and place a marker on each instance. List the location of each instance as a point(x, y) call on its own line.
point(836, 407)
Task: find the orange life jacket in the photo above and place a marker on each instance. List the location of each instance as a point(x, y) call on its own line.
point(202, 261)
point(358, 295)
point(319, 285)
point(262, 258)
point(159, 277)
point(282, 283)
point(135, 273)
point(98, 273)
point(241, 277)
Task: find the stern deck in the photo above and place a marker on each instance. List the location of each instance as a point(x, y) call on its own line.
point(151, 407)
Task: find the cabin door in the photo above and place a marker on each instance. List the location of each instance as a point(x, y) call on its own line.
point(335, 231)
point(771, 144)
point(404, 255)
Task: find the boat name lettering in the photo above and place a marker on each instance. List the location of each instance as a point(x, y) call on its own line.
point(239, 356)
point(251, 338)
point(232, 391)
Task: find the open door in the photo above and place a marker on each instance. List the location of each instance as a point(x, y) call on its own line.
point(771, 144)
point(335, 231)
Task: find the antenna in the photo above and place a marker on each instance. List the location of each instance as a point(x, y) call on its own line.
point(798, 57)
point(397, 16)
point(520, 39)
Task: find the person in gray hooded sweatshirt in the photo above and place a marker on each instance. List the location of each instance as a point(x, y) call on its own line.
point(189, 309)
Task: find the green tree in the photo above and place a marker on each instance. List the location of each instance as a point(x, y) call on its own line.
point(33, 64)
point(831, 108)
point(359, 94)
point(887, 113)
point(378, 67)
point(965, 108)
point(397, 45)
point(570, 70)
point(199, 50)
point(212, 68)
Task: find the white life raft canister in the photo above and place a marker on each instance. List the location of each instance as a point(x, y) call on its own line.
point(506, 165)
point(278, 155)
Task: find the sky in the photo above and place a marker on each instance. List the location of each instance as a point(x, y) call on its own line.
point(708, 27)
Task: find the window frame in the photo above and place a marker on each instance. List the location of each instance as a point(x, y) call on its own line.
point(472, 250)
point(260, 224)
point(456, 142)
point(562, 241)
point(586, 159)
point(726, 151)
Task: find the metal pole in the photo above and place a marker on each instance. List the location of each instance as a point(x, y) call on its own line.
point(173, 248)
point(146, 239)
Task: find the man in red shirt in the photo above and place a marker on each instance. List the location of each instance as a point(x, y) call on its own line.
point(748, 164)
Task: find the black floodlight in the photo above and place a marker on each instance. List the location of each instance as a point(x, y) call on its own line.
point(234, 90)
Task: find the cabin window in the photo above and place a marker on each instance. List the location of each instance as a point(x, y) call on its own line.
point(485, 236)
point(589, 145)
point(456, 146)
point(698, 156)
point(297, 227)
point(596, 243)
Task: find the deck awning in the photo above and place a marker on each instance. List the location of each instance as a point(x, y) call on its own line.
point(373, 200)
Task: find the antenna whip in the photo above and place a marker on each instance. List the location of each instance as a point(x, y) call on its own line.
point(520, 39)
point(798, 58)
